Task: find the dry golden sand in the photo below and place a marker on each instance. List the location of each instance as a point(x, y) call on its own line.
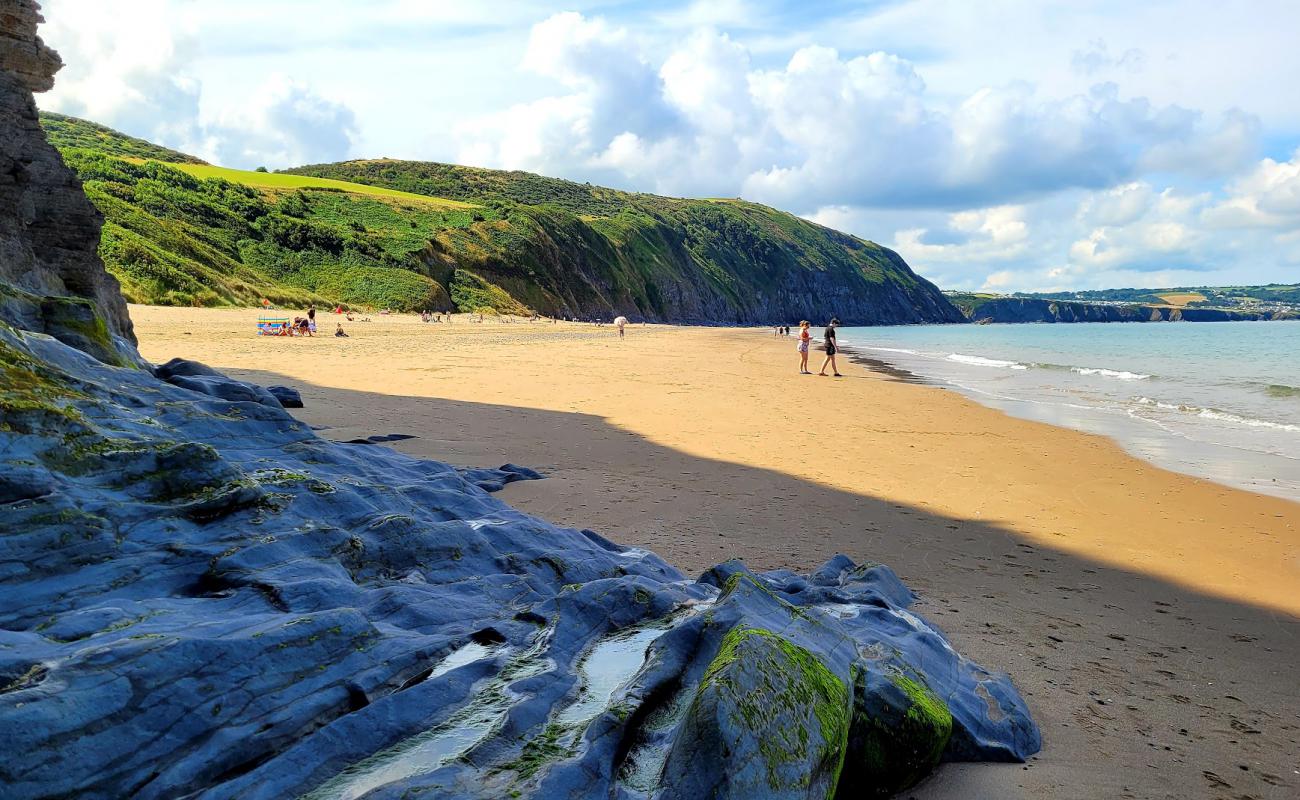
point(1150, 617)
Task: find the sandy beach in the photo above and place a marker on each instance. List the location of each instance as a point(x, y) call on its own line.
point(1152, 619)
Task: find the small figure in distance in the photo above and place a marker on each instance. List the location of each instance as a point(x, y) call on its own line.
point(829, 338)
point(805, 339)
point(339, 331)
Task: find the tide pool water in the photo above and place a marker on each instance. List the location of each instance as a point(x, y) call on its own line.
point(1218, 400)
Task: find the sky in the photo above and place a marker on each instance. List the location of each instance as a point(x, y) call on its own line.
point(1003, 146)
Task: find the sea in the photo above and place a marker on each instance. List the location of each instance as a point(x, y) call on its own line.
point(1219, 400)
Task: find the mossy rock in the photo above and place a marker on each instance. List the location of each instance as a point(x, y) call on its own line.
point(76, 322)
point(899, 731)
point(769, 720)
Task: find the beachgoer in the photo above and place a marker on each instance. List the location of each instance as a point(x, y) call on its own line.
point(828, 338)
point(805, 339)
point(311, 312)
point(311, 327)
point(339, 331)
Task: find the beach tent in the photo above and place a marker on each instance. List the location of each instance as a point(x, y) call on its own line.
point(272, 326)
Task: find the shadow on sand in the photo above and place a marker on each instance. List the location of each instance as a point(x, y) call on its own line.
point(1142, 688)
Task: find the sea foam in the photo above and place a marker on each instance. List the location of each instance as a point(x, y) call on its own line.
point(980, 361)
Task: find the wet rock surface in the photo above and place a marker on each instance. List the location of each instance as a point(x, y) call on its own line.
point(204, 596)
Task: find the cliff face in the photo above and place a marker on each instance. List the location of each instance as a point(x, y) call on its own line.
point(575, 249)
point(694, 262)
point(1025, 309)
point(51, 278)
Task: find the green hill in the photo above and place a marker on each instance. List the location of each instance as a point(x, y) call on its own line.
point(69, 132)
point(409, 235)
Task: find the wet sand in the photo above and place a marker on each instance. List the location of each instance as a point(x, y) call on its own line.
point(1151, 619)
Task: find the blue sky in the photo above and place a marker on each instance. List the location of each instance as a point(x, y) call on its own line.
point(997, 145)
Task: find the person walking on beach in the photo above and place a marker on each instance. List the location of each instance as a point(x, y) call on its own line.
point(805, 339)
point(828, 338)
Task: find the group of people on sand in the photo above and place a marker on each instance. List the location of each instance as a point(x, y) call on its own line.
point(828, 344)
point(302, 326)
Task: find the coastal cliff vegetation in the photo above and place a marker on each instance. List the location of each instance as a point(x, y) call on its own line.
point(413, 235)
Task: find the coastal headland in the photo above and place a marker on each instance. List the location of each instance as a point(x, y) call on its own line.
point(1151, 619)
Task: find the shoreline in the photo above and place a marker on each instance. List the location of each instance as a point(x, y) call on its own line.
point(1195, 437)
point(1148, 617)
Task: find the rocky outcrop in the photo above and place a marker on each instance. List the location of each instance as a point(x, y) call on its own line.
point(204, 598)
point(51, 278)
point(1027, 309)
point(22, 53)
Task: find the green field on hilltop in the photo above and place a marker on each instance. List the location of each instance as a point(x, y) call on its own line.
point(286, 181)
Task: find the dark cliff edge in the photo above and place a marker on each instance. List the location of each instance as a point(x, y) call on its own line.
point(202, 597)
point(1024, 309)
point(51, 279)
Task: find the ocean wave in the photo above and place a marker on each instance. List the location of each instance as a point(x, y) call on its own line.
point(1119, 374)
point(893, 350)
point(1218, 415)
point(1281, 390)
point(980, 361)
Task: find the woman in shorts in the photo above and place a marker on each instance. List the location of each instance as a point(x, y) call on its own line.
point(805, 339)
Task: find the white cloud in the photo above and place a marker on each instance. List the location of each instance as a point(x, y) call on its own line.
point(284, 123)
point(1118, 206)
point(1266, 197)
point(123, 69)
point(1097, 58)
point(823, 128)
point(135, 72)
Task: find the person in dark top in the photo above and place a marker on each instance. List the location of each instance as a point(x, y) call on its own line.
point(311, 312)
point(828, 336)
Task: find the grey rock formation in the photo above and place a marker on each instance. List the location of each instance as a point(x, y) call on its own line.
point(51, 278)
point(202, 598)
point(288, 396)
point(22, 53)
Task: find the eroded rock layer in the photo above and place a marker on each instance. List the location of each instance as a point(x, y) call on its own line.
point(205, 597)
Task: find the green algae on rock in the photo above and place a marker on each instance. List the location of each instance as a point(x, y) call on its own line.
point(899, 731)
point(776, 712)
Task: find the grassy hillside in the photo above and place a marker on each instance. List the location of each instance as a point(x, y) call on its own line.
point(409, 235)
point(173, 239)
point(70, 132)
point(563, 245)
